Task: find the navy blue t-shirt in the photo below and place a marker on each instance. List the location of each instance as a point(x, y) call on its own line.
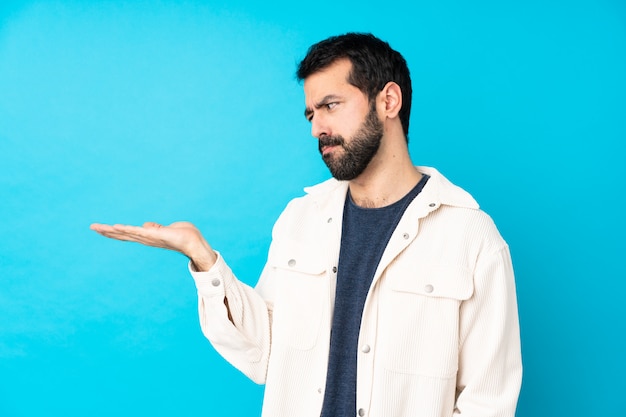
point(365, 234)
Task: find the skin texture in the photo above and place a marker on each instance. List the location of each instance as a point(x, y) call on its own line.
point(357, 153)
point(335, 108)
point(181, 237)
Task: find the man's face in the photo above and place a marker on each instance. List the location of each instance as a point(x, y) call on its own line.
point(358, 151)
point(347, 127)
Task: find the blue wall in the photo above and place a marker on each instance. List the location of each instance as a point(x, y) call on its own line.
point(131, 111)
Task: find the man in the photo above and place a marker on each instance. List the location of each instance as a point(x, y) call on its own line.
point(387, 292)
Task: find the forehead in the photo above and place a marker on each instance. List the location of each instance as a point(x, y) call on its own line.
point(330, 80)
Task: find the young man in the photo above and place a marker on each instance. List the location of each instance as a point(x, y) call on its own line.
point(387, 292)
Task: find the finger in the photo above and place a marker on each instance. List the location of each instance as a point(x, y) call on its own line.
point(134, 238)
point(151, 236)
point(152, 225)
point(107, 227)
point(97, 227)
point(102, 228)
point(121, 232)
point(127, 228)
point(120, 235)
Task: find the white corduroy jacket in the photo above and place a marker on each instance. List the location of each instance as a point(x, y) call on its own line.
point(439, 334)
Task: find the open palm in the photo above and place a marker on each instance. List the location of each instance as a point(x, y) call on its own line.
point(181, 237)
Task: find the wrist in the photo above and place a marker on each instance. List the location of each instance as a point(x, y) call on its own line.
point(202, 258)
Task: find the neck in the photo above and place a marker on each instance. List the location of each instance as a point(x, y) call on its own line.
point(388, 178)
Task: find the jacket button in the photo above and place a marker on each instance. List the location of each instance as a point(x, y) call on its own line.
point(361, 412)
point(406, 235)
point(365, 349)
point(334, 269)
point(330, 220)
point(215, 282)
point(292, 262)
point(432, 205)
point(429, 288)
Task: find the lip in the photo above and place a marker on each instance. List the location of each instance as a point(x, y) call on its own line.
point(327, 149)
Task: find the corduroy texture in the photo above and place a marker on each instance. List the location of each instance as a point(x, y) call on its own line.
point(439, 332)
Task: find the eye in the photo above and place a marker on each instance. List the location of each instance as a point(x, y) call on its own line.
point(331, 105)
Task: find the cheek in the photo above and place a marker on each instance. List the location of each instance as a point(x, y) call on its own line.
point(348, 123)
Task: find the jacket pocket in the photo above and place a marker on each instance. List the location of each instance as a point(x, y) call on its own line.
point(439, 281)
point(301, 293)
point(420, 320)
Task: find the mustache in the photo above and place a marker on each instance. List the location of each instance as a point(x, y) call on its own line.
point(325, 140)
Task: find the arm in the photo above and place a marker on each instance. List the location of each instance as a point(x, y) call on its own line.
point(233, 316)
point(490, 367)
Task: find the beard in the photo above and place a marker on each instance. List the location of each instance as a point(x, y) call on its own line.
point(358, 153)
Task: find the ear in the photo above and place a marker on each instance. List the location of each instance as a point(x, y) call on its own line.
point(391, 99)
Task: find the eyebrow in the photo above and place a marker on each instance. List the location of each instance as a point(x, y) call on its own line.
point(327, 99)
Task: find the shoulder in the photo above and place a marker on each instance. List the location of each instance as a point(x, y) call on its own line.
point(308, 210)
point(442, 191)
point(458, 214)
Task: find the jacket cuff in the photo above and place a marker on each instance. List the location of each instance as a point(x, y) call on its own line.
point(214, 281)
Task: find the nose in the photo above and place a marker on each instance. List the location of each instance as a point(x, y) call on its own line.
point(319, 126)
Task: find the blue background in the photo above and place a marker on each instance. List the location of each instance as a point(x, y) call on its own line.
point(124, 112)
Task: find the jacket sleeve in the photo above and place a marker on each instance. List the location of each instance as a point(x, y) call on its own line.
point(244, 341)
point(490, 365)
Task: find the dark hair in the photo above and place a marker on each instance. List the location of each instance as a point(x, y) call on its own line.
point(374, 64)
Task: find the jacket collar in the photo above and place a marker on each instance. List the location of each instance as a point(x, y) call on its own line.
point(438, 191)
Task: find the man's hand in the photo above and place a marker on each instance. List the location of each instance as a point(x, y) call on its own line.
point(181, 237)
